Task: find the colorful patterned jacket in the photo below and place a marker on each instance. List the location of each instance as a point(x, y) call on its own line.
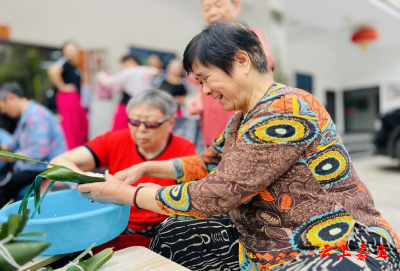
point(285, 177)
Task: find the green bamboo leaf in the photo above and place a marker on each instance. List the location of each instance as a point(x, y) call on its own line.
point(19, 156)
point(3, 232)
point(24, 202)
point(31, 234)
point(99, 259)
point(13, 224)
point(36, 193)
point(22, 252)
point(37, 208)
point(24, 218)
point(83, 254)
point(67, 175)
point(74, 268)
point(60, 174)
point(55, 173)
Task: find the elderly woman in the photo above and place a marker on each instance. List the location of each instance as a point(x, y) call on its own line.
point(151, 119)
point(280, 169)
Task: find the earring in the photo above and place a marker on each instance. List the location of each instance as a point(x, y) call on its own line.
point(247, 73)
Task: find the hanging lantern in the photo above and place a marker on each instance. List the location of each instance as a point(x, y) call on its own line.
point(364, 37)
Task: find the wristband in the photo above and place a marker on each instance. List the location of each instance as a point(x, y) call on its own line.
point(135, 196)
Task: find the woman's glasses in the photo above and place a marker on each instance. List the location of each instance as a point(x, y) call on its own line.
point(147, 124)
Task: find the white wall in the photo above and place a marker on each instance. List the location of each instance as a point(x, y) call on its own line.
point(113, 25)
point(345, 67)
point(379, 67)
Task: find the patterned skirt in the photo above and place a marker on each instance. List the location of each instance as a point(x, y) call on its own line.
point(213, 244)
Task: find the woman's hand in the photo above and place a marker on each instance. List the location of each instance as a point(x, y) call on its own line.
point(112, 190)
point(131, 175)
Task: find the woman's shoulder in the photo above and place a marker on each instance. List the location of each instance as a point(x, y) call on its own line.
point(285, 100)
point(285, 106)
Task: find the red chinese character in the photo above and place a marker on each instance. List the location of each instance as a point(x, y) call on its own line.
point(363, 252)
point(382, 252)
point(344, 250)
point(325, 252)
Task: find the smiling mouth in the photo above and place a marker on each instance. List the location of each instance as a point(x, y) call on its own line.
point(219, 97)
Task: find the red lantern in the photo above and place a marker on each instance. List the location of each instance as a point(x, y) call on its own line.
point(365, 36)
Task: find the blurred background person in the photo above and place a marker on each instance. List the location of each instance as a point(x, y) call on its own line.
point(149, 138)
point(66, 78)
point(155, 61)
point(133, 79)
point(5, 139)
point(174, 82)
point(213, 116)
point(37, 136)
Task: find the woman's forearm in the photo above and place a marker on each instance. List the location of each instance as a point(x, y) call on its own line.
point(61, 161)
point(145, 199)
point(79, 160)
point(160, 169)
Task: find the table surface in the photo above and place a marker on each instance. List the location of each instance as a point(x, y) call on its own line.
point(128, 259)
point(140, 258)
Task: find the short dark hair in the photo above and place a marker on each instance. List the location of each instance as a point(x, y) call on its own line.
point(131, 57)
point(218, 43)
point(13, 87)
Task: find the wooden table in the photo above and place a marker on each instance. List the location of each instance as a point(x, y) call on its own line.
point(140, 258)
point(128, 259)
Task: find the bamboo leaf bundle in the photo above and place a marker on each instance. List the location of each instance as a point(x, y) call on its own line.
point(92, 263)
point(14, 253)
point(55, 173)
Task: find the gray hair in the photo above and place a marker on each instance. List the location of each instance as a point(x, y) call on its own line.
point(10, 88)
point(157, 98)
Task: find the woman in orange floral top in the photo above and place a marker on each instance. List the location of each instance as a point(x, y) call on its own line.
point(279, 169)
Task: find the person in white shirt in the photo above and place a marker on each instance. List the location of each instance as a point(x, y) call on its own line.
point(133, 79)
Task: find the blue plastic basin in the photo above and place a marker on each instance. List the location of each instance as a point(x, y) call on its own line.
point(72, 223)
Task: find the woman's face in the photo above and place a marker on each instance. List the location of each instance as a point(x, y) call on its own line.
point(217, 10)
point(175, 67)
point(146, 138)
point(71, 51)
point(229, 90)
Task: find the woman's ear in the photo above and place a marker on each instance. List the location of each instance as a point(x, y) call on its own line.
point(243, 60)
point(237, 5)
point(172, 121)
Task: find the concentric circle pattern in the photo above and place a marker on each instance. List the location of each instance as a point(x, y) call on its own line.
point(331, 165)
point(325, 229)
point(176, 197)
point(282, 129)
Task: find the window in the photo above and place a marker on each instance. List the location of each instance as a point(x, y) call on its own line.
point(304, 81)
point(331, 104)
point(361, 109)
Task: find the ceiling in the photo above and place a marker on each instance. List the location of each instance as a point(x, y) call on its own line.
point(335, 21)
